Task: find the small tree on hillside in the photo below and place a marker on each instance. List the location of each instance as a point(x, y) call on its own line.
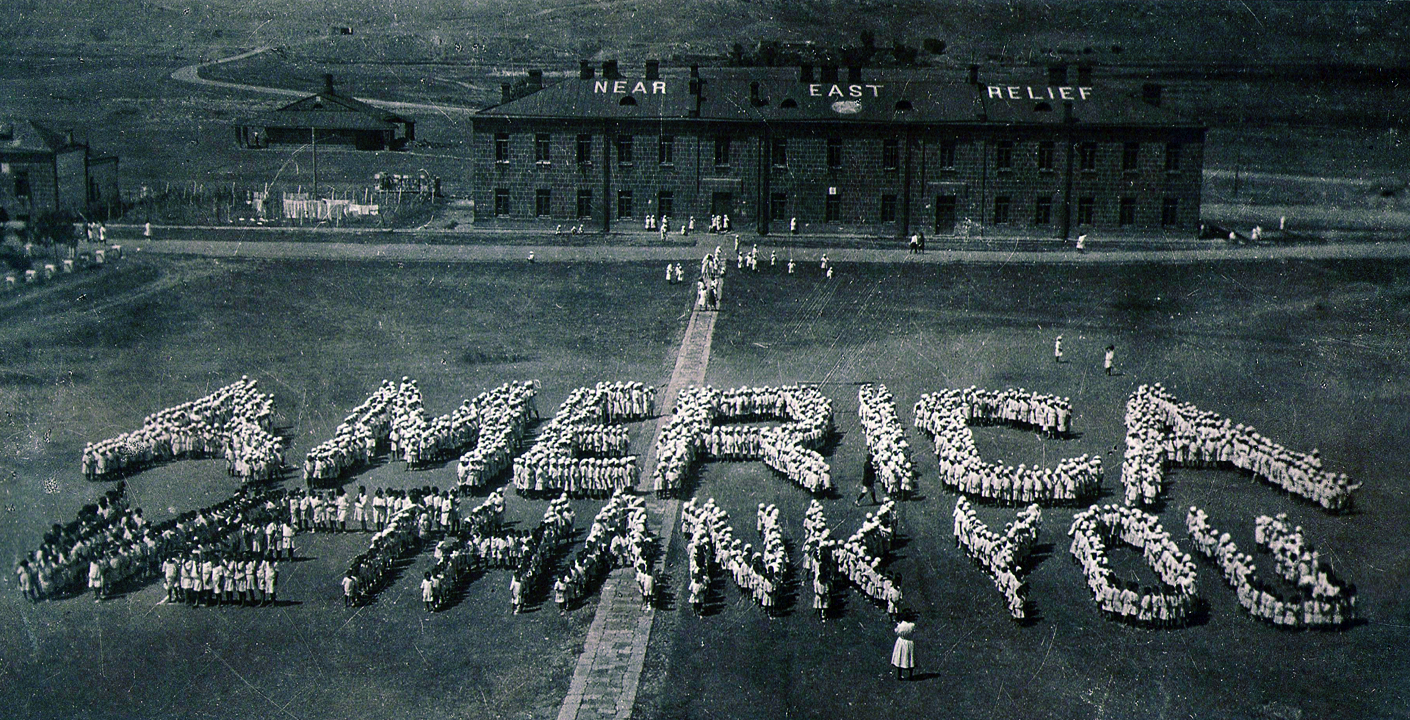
point(53, 228)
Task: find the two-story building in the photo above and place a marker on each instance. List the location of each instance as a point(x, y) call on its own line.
point(45, 170)
point(879, 151)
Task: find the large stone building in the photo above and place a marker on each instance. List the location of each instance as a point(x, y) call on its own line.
point(45, 170)
point(879, 151)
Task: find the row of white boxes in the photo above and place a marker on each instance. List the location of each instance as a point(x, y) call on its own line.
point(99, 257)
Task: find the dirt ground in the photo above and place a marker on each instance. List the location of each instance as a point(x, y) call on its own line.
point(1311, 353)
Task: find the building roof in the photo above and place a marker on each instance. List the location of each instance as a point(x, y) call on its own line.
point(320, 119)
point(328, 110)
point(18, 135)
point(879, 95)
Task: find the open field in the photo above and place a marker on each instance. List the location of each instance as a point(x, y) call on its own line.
point(1311, 353)
point(320, 336)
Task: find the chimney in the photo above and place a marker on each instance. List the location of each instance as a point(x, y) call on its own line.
point(805, 73)
point(506, 92)
point(1150, 92)
point(609, 70)
point(854, 73)
point(829, 73)
point(1057, 74)
point(585, 71)
point(328, 82)
point(973, 74)
point(1084, 74)
point(653, 69)
point(535, 80)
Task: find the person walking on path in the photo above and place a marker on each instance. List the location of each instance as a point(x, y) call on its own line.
point(1057, 349)
point(903, 653)
point(1110, 359)
point(868, 485)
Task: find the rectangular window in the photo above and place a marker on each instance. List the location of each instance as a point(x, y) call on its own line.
point(947, 154)
point(584, 203)
point(832, 210)
point(1003, 155)
point(665, 202)
point(1001, 209)
point(624, 203)
point(1130, 156)
point(778, 206)
point(1045, 155)
point(1127, 216)
point(501, 202)
point(543, 202)
point(666, 150)
point(1172, 157)
point(1086, 210)
point(584, 149)
point(542, 145)
point(890, 154)
point(779, 152)
point(721, 152)
point(624, 149)
point(888, 208)
point(1087, 155)
point(834, 153)
point(1170, 211)
point(501, 147)
point(1043, 211)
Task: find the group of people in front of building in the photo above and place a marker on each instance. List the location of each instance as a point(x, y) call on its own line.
point(1171, 604)
point(618, 537)
point(1000, 556)
point(1163, 432)
point(233, 422)
point(888, 452)
point(1318, 598)
point(583, 450)
point(713, 549)
point(946, 417)
point(857, 560)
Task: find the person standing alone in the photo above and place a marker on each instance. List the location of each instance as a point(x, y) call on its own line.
point(903, 656)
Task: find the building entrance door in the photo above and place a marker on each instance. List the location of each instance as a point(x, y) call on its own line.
point(945, 215)
point(722, 203)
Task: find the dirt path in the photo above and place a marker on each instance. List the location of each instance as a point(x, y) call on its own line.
point(608, 672)
point(191, 74)
point(424, 252)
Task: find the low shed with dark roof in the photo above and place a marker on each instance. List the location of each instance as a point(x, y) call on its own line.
point(329, 117)
point(878, 151)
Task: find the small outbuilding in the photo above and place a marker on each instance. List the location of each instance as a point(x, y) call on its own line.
point(330, 117)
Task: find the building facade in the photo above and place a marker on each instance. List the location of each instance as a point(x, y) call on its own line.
point(887, 152)
point(43, 170)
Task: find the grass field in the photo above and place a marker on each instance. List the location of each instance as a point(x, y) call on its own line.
point(1311, 353)
point(91, 357)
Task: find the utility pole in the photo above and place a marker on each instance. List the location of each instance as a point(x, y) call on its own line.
point(313, 134)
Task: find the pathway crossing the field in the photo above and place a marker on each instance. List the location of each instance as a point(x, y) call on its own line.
point(608, 673)
point(429, 250)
